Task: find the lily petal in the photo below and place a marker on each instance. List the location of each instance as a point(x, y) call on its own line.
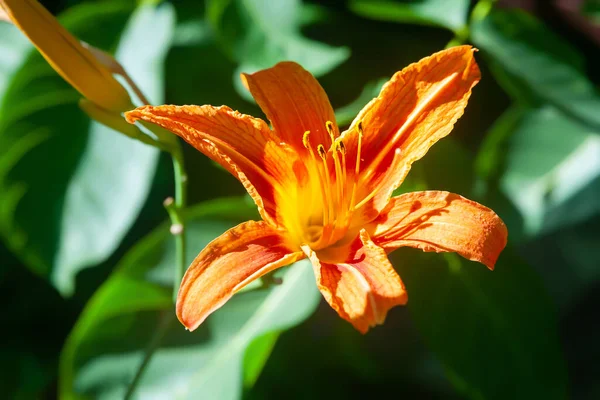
point(69, 57)
point(243, 145)
point(294, 102)
point(362, 288)
point(236, 258)
point(441, 222)
point(416, 108)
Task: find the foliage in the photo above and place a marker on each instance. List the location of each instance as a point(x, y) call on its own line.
point(86, 264)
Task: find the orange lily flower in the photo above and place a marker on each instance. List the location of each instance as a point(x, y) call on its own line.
point(327, 196)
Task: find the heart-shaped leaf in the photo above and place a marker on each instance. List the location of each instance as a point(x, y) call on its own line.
point(132, 314)
point(450, 14)
point(494, 332)
point(552, 170)
point(540, 60)
point(259, 33)
point(74, 187)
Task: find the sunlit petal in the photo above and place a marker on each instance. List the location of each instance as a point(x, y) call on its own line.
point(294, 102)
point(416, 108)
point(441, 222)
point(363, 287)
point(244, 145)
point(226, 265)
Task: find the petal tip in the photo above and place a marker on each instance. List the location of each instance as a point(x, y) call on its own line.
point(190, 323)
point(244, 79)
point(132, 116)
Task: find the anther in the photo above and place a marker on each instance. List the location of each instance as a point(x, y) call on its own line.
point(329, 126)
point(321, 151)
point(305, 140)
point(360, 128)
point(341, 147)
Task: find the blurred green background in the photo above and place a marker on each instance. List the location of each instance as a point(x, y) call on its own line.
point(86, 258)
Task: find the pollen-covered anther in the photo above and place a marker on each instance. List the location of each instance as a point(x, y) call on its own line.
point(330, 128)
point(321, 151)
point(360, 128)
point(341, 147)
point(306, 140)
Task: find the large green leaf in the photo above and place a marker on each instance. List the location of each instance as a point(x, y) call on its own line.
point(450, 14)
point(552, 170)
point(133, 311)
point(490, 157)
point(259, 33)
point(591, 8)
point(540, 60)
point(14, 48)
point(75, 187)
point(494, 332)
point(29, 305)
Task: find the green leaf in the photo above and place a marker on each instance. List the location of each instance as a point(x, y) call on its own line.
point(450, 14)
point(591, 8)
point(568, 259)
point(494, 332)
point(14, 48)
point(491, 155)
point(552, 170)
point(133, 311)
point(76, 186)
point(448, 166)
point(257, 354)
point(539, 59)
point(29, 305)
point(259, 33)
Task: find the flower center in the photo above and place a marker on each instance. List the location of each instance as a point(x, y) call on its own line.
point(323, 207)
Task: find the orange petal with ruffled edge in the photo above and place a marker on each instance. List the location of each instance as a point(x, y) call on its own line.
point(230, 262)
point(441, 222)
point(294, 102)
point(363, 287)
point(416, 108)
point(243, 145)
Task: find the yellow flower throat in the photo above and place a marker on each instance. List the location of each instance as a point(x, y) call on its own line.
point(320, 211)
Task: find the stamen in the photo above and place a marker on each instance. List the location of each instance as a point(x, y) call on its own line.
point(322, 152)
point(342, 149)
point(339, 180)
point(327, 209)
point(305, 139)
point(357, 166)
point(360, 136)
point(331, 131)
point(322, 189)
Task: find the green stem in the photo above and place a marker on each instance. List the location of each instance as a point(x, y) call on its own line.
point(175, 209)
point(167, 142)
point(165, 323)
